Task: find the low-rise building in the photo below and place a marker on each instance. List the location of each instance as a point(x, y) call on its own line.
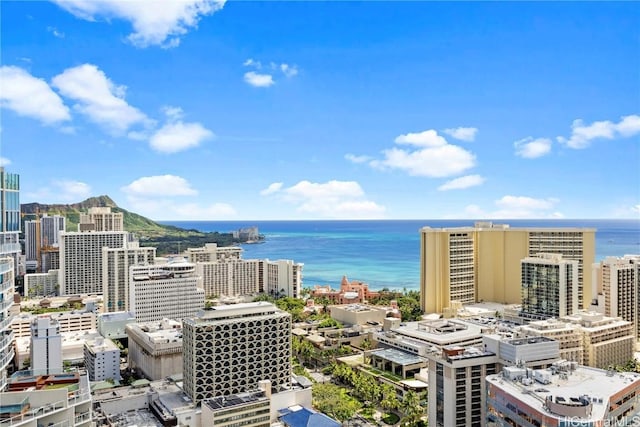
point(250, 409)
point(41, 284)
point(568, 335)
point(360, 314)
point(102, 360)
point(68, 321)
point(155, 349)
point(349, 293)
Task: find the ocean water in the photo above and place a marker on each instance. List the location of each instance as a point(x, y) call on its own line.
point(385, 253)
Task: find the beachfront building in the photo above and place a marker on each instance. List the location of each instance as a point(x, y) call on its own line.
point(115, 273)
point(229, 349)
point(171, 290)
point(549, 286)
point(211, 252)
point(350, 292)
point(482, 263)
point(564, 395)
point(617, 284)
point(238, 277)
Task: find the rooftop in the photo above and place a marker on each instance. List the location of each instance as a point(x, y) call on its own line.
point(235, 400)
point(397, 356)
point(574, 388)
point(298, 416)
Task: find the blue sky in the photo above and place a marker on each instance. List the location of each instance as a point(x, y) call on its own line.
point(310, 110)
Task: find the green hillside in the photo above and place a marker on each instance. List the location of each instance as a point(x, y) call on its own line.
point(168, 239)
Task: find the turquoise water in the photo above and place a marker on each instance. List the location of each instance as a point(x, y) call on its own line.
point(385, 253)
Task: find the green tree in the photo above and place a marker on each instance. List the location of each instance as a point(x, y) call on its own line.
point(389, 399)
point(334, 401)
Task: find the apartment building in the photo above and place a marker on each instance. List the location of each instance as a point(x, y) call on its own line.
point(549, 286)
point(102, 360)
point(457, 388)
point(617, 283)
point(229, 349)
point(81, 259)
point(115, 273)
point(607, 341)
point(568, 335)
point(46, 346)
point(6, 302)
point(41, 284)
point(171, 290)
point(50, 227)
point(482, 263)
point(211, 252)
point(32, 241)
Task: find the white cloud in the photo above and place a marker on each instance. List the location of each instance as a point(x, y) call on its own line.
point(629, 126)
point(30, 96)
point(428, 138)
point(462, 133)
point(55, 32)
point(206, 212)
point(531, 148)
point(582, 135)
point(435, 162)
point(357, 159)
point(74, 189)
point(4, 161)
point(258, 80)
point(271, 189)
point(99, 98)
point(462, 183)
point(251, 63)
point(516, 207)
point(332, 199)
point(289, 70)
point(153, 23)
point(179, 136)
point(173, 113)
point(169, 209)
point(161, 185)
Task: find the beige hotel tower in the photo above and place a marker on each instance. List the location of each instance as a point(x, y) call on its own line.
point(482, 263)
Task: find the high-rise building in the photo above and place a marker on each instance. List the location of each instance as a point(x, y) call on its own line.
point(482, 263)
point(10, 251)
point(171, 290)
point(32, 240)
point(229, 349)
point(50, 227)
point(617, 283)
point(211, 252)
point(549, 286)
point(81, 259)
point(10, 217)
point(6, 301)
point(457, 388)
point(247, 277)
point(115, 273)
point(46, 346)
point(101, 219)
